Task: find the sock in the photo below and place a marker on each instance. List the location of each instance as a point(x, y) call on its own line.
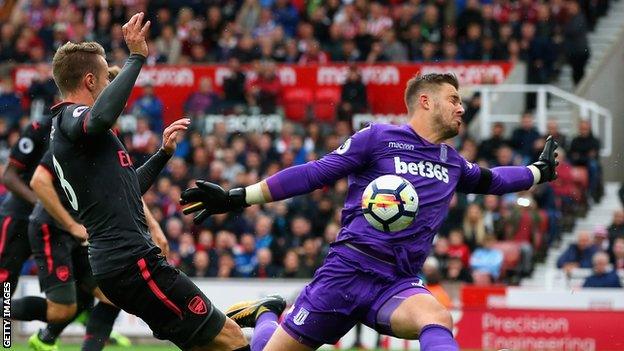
point(244, 348)
point(435, 337)
point(99, 326)
point(266, 324)
point(53, 330)
point(30, 308)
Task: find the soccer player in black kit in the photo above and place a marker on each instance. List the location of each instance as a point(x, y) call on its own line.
point(102, 185)
point(17, 206)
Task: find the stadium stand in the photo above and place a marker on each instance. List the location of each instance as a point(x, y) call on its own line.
point(261, 32)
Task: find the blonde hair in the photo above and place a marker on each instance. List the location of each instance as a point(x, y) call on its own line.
point(72, 61)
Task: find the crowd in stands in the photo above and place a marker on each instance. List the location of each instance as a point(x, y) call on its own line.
point(541, 33)
point(485, 239)
point(602, 252)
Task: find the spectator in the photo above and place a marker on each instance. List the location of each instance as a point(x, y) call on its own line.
point(489, 147)
point(601, 238)
point(470, 48)
point(474, 226)
point(231, 167)
point(394, 50)
point(353, 96)
point(143, 142)
point(457, 247)
point(227, 266)
point(245, 256)
point(187, 250)
point(291, 266)
point(487, 259)
point(432, 275)
point(205, 100)
point(265, 267)
point(169, 45)
point(286, 16)
point(10, 102)
point(552, 129)
point(42, 91)
point(579, 254)
point(310, 259)
point(537, 52)
point(265, 91)
point(456, 271)
point(201, 266)
point(525, 136)
point(585, 151)
point(602, 277)
point(150, 106)
point(617, 254)
point(234, 87)
point(313, 54)
point(300, 229)
point(441, 252)
point(575, 42)
point(616, 229)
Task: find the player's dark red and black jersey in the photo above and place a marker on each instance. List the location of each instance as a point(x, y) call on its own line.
point(25, 156)
point(100, 182)
point(39, 213)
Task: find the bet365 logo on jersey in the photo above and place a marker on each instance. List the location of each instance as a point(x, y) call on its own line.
point(424, 169)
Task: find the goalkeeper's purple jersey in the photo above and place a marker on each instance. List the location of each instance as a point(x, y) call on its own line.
point(435, 171)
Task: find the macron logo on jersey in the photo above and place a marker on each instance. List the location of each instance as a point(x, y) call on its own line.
point(424, 169)
point(400, 145)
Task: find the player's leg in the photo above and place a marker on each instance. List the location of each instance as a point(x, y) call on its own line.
point(103, 315)
point(262, 315)
point(323, 313)
point(172, 305)
point(51, 249)
point(283, 341)
point(46, 339)
point(230, 337)
point(408, 311)
point(14, 249)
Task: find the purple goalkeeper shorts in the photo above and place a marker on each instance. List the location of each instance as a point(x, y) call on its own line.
point(350, 287)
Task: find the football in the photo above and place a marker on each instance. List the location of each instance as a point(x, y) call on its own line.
point(390, 203)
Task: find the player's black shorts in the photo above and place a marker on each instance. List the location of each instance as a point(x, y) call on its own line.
point(61, 260)
point(14, 248)
point(166, 299)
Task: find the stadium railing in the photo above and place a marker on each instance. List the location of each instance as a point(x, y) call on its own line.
point(600, 118)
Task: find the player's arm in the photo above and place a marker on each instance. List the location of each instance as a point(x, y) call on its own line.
point(14, 183)
point(42, 183)
point(151, 169)
point(112, 100)
point(209, 198)
point(23, 153)
point(156, 231)
point(503, 180)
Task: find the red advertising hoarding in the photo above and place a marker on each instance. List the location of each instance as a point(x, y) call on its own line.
point(543, 330)
point(385, 82)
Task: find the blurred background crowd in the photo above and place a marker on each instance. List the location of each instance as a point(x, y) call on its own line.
point(543, 34)
point(485, 239)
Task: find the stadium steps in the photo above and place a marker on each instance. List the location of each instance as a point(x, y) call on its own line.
point(600, 40)
point(547, 275)
point(605, 34)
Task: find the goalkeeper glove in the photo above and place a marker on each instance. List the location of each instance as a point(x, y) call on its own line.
point(547, 161)
point(209, 198)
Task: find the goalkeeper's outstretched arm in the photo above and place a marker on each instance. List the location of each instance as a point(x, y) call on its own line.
point(209, 198)
point(503, 180)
